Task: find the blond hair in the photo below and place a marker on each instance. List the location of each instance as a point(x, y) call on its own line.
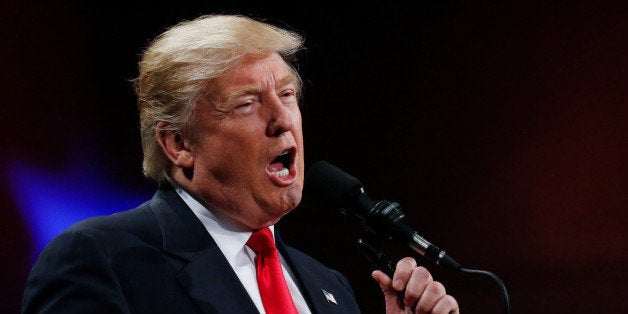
point(178, 65)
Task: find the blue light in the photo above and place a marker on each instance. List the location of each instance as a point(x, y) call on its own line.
point(51, 201)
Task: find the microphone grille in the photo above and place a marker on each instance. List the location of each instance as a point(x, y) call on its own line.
point(331, 185)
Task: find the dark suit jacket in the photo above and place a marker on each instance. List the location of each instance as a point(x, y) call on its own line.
point(158, 258)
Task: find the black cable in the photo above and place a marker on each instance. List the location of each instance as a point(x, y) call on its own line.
point(494, 277)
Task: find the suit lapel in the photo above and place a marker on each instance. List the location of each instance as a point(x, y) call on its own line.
point(204, 273)
point(210, 281)
point(316, 290)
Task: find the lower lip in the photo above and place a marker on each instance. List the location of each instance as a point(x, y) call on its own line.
point(287, 180)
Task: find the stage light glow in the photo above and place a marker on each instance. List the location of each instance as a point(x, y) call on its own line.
point(51, 201)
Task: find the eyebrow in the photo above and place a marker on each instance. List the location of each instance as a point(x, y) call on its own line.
point(257, 88)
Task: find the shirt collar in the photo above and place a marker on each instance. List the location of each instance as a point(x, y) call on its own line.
point(230, 235)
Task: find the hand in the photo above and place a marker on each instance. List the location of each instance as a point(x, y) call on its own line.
point(422, 294)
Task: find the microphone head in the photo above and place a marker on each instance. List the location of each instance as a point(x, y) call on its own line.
point(330, 185)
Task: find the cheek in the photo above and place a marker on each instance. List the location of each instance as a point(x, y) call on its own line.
point(301, 152)
point(232, 163)
point(231, 142)
point(215, 158)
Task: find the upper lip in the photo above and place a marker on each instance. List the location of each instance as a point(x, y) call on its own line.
point(291, 150)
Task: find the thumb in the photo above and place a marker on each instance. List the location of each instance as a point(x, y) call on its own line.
point(385, 283)
point(394, 303)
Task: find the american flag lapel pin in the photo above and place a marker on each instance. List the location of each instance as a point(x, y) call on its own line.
point(330, 297)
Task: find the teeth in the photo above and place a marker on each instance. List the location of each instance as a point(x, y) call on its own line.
point(282, 173)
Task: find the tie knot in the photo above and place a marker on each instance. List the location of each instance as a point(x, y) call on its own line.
point(261, 240)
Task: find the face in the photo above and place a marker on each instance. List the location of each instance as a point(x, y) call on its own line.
point(247, 143)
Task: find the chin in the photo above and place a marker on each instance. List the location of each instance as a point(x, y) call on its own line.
point(284, 204)
point(293, 197)
point(271, 210)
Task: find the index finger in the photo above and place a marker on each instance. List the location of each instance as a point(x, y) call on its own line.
point(403, 273)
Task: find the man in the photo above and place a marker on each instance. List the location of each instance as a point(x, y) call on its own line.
point(221, 133)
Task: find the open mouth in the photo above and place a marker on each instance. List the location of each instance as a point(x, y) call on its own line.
point(283, 165)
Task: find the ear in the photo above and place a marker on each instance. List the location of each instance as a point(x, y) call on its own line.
point(174, 146)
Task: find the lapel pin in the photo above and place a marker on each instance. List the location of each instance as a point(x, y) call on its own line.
point(330, 297)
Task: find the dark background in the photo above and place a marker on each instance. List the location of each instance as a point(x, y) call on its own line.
point(499, 126)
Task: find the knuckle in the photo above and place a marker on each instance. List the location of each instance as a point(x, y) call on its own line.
point(447, 304)
point(436, 288)
point(422, 271)
point(449, 301)
point(411, 296)
point(407, 261)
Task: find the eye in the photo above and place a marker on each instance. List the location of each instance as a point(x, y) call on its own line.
point(245, 104)
point(246, 107)
point(288, 94)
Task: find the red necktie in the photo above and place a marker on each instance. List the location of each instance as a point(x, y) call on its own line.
point(270, 280)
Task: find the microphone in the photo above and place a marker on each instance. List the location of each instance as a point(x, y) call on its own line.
point(342, 191)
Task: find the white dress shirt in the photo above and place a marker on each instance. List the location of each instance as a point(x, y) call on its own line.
point(231, 238)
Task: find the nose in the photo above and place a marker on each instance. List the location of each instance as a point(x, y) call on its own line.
point(283, 117)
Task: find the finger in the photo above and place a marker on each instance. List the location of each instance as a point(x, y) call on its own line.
point(383, 280)
point(403, 273)
point(419, 280)
point(433, 292)
point(391, 297)
point(446, 305)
